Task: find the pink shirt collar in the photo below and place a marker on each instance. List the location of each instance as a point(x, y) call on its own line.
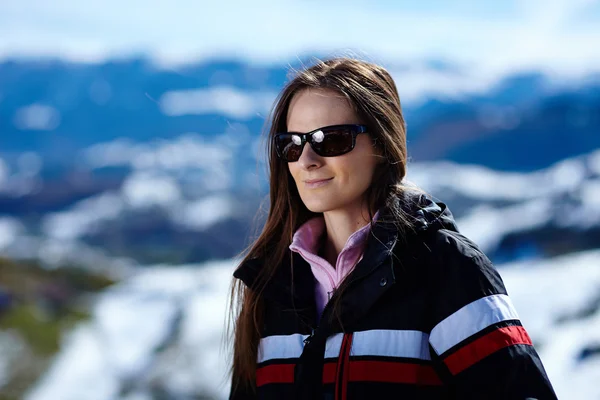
point(306, 241)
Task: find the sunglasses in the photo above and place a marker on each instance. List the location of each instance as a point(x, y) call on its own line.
point(329, 141)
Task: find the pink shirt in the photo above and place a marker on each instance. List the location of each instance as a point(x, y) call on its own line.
point(306, 242)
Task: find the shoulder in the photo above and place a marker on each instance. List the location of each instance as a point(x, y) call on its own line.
point(447, 243)
point(452, 252)
point(459, 271)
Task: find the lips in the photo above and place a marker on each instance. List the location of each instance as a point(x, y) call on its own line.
point(316, 183)
point(317, 180)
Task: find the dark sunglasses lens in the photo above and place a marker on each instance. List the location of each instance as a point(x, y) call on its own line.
point(332, 142)
point(289, 146)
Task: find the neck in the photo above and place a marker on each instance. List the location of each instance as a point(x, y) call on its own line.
point(339, 225)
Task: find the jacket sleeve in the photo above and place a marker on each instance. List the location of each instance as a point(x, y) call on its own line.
point(477, 342)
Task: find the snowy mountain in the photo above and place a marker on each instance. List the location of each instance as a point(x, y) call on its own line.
point(158, 332)
point(53, 107)
point(131, 160)
point(521, 215)
point(160, 214)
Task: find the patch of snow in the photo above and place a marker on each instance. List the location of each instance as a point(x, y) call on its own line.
point(585, 215)
point(488, 225)
point(118, 319)
point(223, 100)
point(132, 323)
point(81, 218)
point(117, 152)
point(594, 162)
point(12, 347)
point(203, 213)
point(10, 229)
point(591, 193)
point(188, 151)
point(563, 195)
point(482, 183)
point(145, 189)
point(546, 291)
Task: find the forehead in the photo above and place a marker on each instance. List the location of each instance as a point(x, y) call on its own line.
point(310, 109)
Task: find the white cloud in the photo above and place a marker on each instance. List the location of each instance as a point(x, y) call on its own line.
point(534, 34)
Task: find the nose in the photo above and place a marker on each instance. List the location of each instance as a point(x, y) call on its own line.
point(309, 159)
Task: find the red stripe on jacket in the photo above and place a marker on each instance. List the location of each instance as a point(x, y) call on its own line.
point(486, 345)
point(358, 371)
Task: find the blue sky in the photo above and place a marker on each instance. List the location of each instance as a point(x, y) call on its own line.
point(560, 35)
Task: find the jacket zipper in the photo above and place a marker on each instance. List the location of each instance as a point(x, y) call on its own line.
point(342, 373)
point(312, 333)
point(314, 329)
point(308, 339)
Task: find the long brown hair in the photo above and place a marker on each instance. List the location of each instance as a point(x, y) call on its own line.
point(372, 92)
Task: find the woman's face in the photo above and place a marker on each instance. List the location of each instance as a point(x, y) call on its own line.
point(349, 175)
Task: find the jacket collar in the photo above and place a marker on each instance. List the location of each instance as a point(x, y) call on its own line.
point(294, 286)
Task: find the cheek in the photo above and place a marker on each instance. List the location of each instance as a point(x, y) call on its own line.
point(355, 172)
point(293, 170)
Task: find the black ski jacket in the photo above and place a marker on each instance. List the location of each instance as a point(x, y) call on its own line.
point(425, 315)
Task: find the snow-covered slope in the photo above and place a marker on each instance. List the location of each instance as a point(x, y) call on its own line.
point(493, 204)
point(160, 331)
point(558, 301)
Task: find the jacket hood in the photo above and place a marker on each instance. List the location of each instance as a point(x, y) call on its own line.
point(428, 213)
point(423, 211)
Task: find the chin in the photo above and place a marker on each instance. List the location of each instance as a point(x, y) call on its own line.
point(317, 209)
point(318, 206)
point(325, 203)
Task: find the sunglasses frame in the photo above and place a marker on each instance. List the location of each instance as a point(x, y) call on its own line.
point(356, 129)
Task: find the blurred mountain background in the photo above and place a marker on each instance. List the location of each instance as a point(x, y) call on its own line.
point(132, 173)
point(160, 165)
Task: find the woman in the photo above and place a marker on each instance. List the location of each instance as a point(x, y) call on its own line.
point(359, 286)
